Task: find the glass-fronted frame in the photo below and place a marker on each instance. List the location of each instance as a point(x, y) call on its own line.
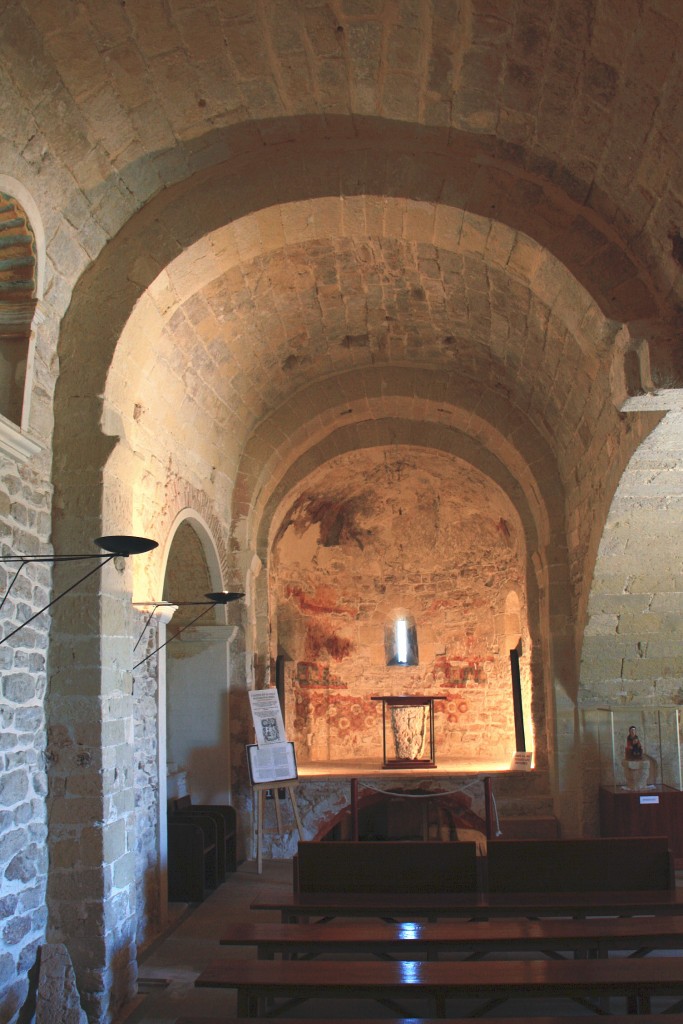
point(658, 732)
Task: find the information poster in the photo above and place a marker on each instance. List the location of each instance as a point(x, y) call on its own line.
point(276, 763)
point(267, 717)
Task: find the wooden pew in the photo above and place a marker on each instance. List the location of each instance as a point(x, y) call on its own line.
point(225, 820)
point(592, 938)
point(524, 877)
point(644, 1018)
point(612, 864)
point(393, 867)
point(472, 906)
point(587, 981)
point(192, 859)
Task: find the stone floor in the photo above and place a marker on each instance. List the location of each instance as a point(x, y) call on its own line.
point(169, 967)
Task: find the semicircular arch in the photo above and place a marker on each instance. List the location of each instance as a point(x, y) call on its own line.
point(441, 169)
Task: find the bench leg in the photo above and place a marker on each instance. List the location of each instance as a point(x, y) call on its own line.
point(247, 1003)
point(641, 1003)
point(437, 1006)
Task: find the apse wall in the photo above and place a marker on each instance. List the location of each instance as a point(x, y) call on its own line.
point(380, 530)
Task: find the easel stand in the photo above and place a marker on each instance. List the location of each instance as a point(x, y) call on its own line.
point(260, 789)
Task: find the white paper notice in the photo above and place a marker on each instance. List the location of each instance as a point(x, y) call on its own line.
point(267, 717)
point(272, 764)
point(521, 761)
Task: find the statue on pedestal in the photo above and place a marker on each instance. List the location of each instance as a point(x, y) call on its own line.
point(634, 748)
point(636, 765)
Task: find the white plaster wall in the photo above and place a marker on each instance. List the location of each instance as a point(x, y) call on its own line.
point(198, 733)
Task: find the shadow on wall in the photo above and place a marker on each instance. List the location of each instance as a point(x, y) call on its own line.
point(27, 1012)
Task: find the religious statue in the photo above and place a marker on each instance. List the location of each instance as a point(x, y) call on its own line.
point(634, 748)
point(636, 765)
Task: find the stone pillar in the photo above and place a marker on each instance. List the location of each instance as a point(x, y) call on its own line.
point(91, 891)
point(150, 743)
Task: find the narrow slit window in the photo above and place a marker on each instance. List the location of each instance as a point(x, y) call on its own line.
point(401, 641)
point(400, 638)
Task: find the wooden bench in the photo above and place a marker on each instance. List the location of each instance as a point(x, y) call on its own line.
point(525, 877)
point(644, 1018)
point(578, 865)
point(225, 819)
point(594, 938)
point(587, 981)
point(192, 859)
point(472, 906)
point(394, 867)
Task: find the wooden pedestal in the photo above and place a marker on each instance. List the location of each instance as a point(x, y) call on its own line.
point(654, 811)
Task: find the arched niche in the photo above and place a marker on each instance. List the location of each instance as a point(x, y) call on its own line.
point(197, 668)
point(189, 565)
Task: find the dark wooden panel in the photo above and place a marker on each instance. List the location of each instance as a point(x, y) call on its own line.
point(576, 865)
point(395, 867)
point(624, 813)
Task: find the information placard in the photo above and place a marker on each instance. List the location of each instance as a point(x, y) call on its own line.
point(521, 761)
point(271, 764)
point(266, 714)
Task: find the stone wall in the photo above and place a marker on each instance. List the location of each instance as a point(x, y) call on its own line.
point(24, 528)
point(633, 644)
point(23, 786)
point(422, 120)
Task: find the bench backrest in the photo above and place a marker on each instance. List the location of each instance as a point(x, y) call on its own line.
point(612, 864)
point(374, 867)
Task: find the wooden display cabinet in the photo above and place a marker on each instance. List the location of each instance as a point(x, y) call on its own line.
point(657, 811)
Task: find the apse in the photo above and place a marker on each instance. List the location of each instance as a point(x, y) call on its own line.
point(394, 571)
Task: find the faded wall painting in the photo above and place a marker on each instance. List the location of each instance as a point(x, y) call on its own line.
point(403, 533)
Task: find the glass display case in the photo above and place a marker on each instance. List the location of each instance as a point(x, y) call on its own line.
point(640, 790)
point(640, 748)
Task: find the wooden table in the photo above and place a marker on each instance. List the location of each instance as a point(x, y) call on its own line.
point(438, 981)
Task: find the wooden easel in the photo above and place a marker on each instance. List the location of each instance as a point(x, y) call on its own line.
point(260, 789)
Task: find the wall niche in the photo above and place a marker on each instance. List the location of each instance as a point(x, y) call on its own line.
point(378, 530)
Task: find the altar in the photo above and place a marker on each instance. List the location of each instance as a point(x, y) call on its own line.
point(370, 801)
point(411, 723)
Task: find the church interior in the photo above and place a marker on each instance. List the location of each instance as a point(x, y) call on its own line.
point(351, 330)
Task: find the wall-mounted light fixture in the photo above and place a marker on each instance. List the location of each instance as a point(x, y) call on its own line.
point(115, 546)
point(213, 599)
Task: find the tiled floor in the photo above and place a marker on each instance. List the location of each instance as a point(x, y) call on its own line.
point(169, 968)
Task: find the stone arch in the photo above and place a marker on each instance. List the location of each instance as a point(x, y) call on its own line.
point(547, 570)
point(456, 171)
point(205, 532)
point(189, 211)
point(538, 502)
point(184, 213)
point(317, 612)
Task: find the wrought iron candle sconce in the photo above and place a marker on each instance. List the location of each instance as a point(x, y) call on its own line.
point(114, 546)
point(216, 598)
